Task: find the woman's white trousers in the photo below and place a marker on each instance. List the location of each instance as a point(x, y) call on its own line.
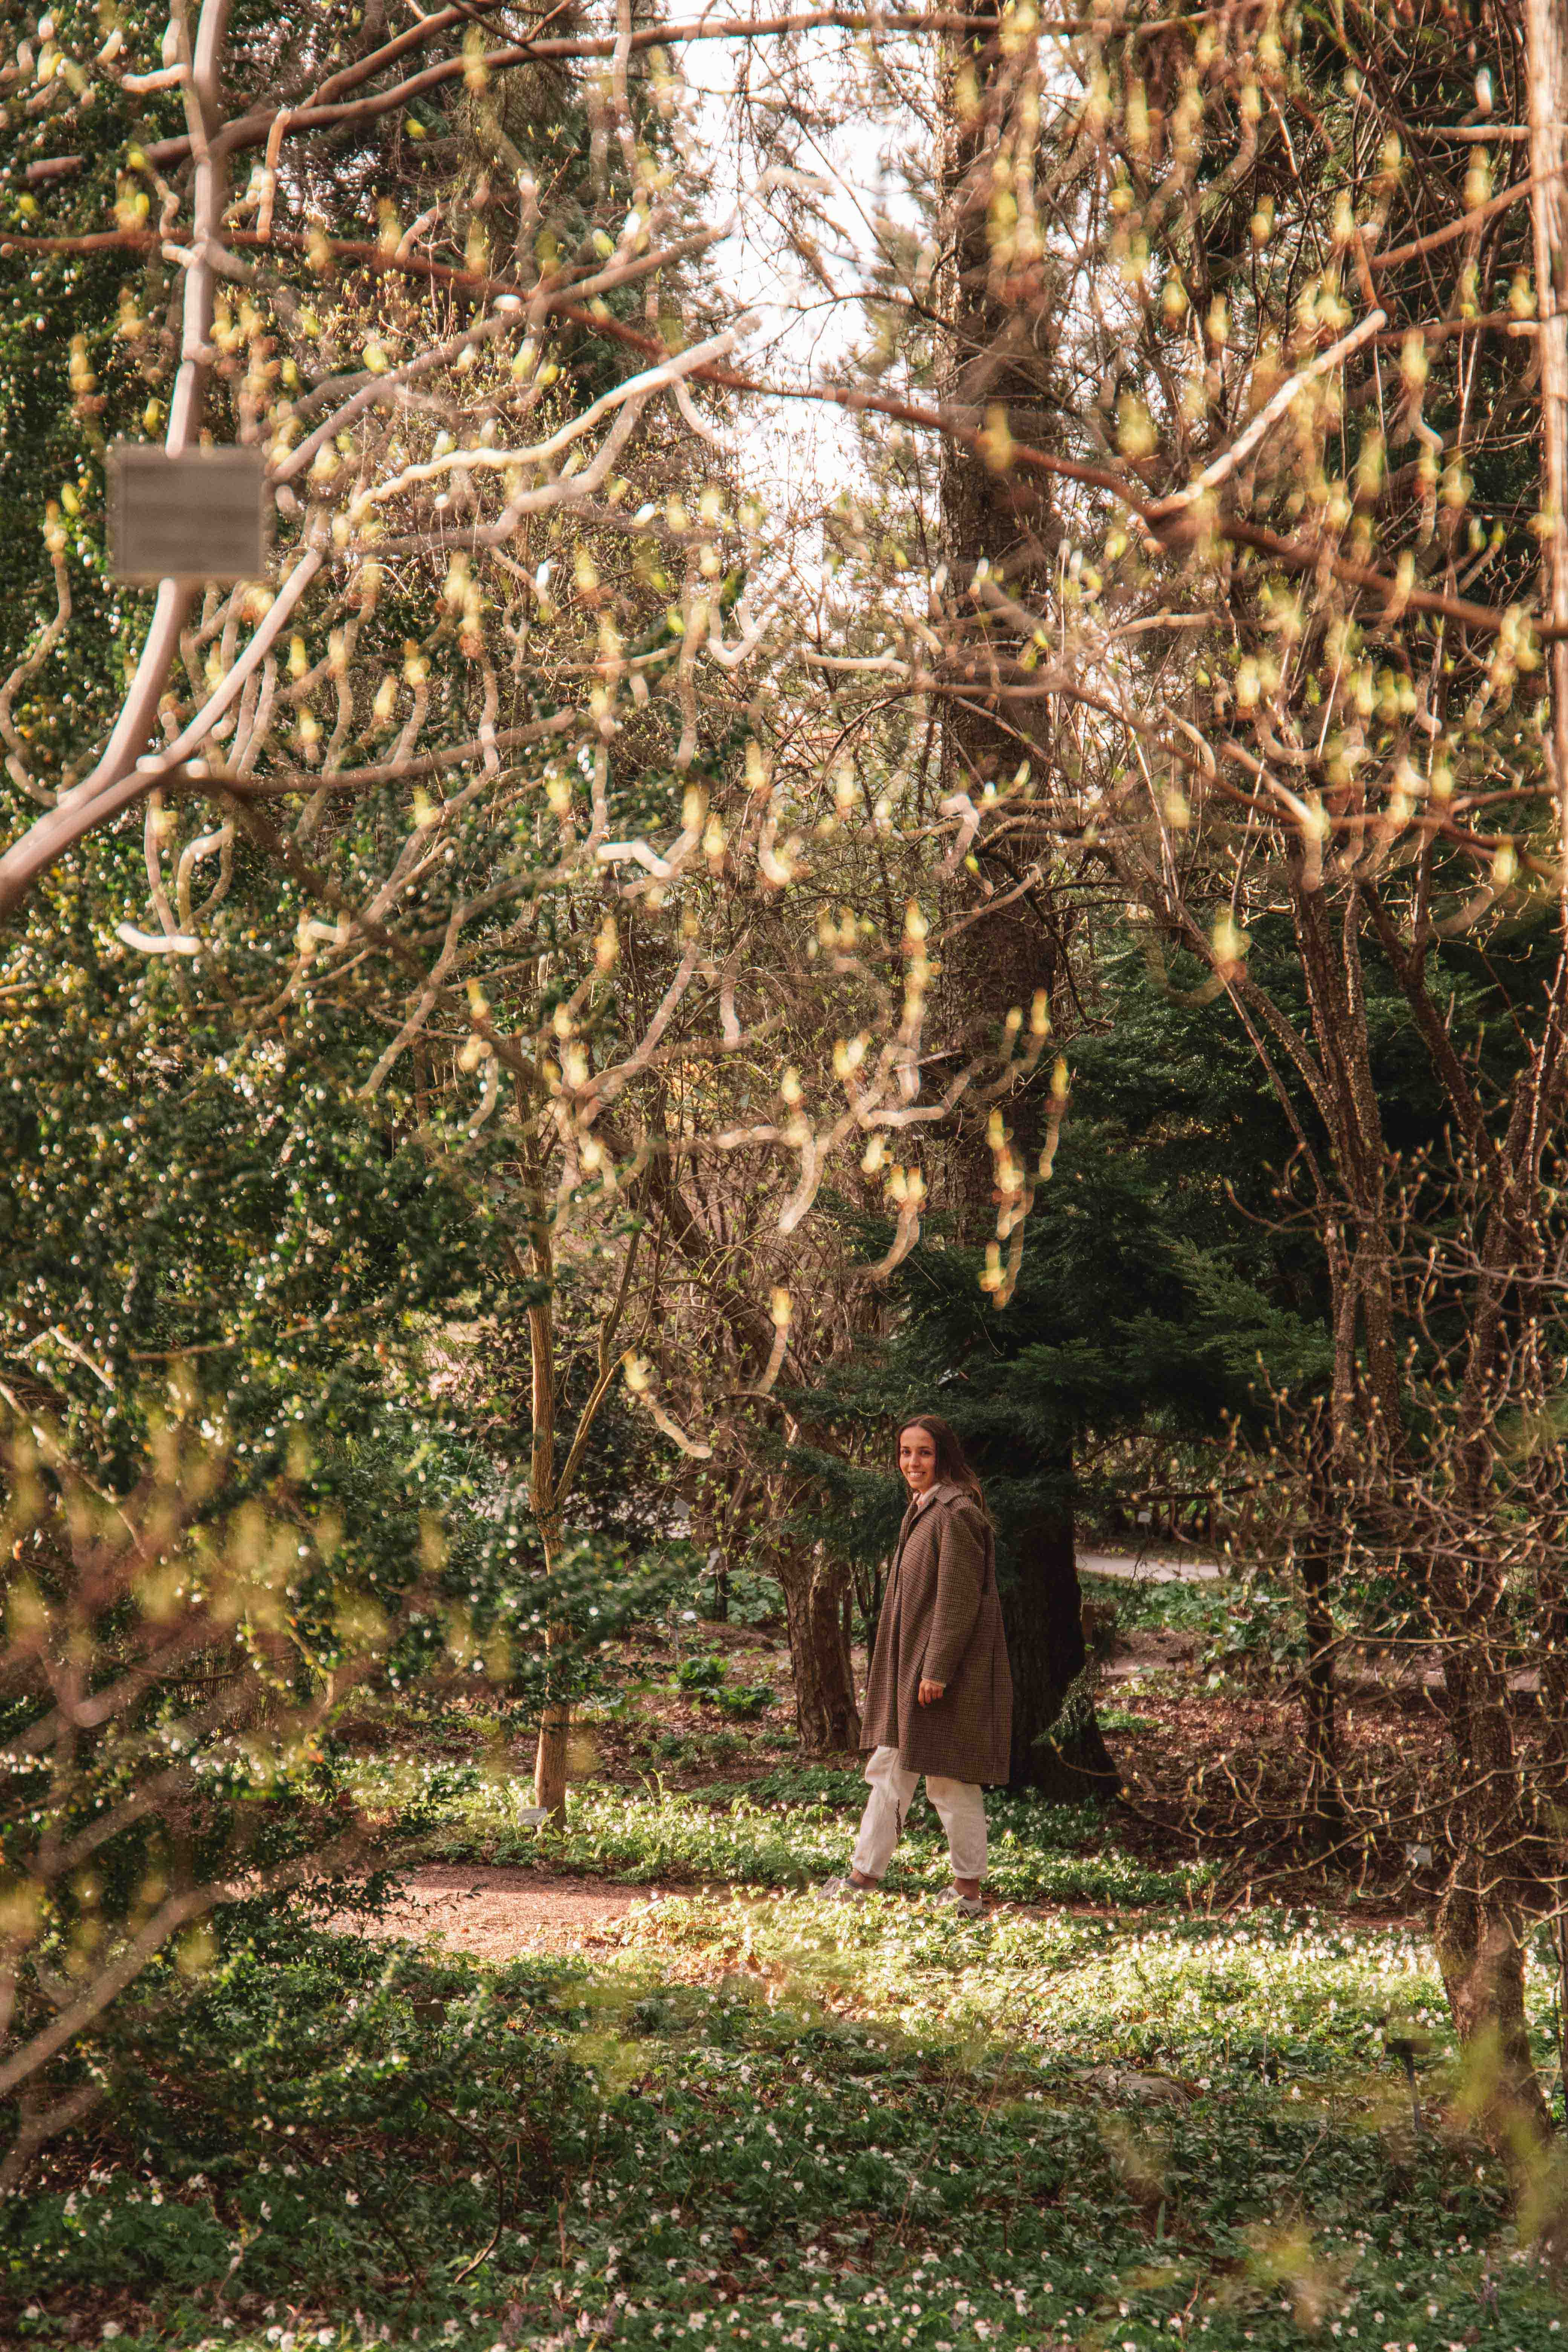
point(960, 1807)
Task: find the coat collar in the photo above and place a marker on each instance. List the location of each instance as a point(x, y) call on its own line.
point(944, 1491)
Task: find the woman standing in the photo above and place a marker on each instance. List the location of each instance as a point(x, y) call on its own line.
point(939, 1698)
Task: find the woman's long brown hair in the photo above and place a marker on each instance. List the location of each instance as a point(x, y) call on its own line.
point(952, 1463)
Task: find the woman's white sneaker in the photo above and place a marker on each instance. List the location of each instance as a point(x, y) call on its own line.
point(970, 1905)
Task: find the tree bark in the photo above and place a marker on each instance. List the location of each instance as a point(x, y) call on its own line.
point(1323, 1810)
point(827, 1715)
point(1546, 49)
point(997, 367)
point(550, 1758)
point(555, 1724)
point(1002, 374)
point(548, 1485)
point(713, 1588)
point(1479, 1930)
point(1481, 1957)
point(1365, 1395)
point(1058, 1745)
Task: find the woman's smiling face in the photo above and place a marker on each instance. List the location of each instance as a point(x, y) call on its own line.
point(916, 1459)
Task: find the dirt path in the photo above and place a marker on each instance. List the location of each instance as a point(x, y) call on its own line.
point(499, 1914)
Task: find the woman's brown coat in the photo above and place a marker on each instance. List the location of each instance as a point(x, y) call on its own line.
point(941, 1622)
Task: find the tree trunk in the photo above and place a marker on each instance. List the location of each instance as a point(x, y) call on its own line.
point(1546, 43)
point(867, 1598)
point(1479, 1933)
point(1000, 371)
point(1322, 1811)
point(547, 1492)
point(555, 1724)
point(714, 1587)
point(1365, 1397)
point(1481, 1955)
point(550, 1758)
point(1058, 1745)
point(998, 362)
point(826, 1717)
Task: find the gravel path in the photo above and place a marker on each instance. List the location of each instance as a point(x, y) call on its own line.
point(1149, 1569)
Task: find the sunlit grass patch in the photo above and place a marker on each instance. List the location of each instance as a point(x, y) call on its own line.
point(765, 1834)
point(1292, 2002)
point(1038, 1852)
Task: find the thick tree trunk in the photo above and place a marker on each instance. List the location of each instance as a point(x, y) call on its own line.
point(1546, 39)
point(826, 1717)
point(1058, 1745)
point(1000, 371)
point(1481, 1954)
point(1479, 1929)
point(996, 363)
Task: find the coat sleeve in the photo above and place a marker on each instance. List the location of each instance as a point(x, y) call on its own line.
point(960, 1573)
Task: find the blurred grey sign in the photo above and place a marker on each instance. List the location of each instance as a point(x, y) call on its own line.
point(199, 517)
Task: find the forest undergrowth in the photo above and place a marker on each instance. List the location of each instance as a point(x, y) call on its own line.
point(764, 2118)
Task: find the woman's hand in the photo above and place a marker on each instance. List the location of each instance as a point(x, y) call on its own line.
point(929, 1693)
